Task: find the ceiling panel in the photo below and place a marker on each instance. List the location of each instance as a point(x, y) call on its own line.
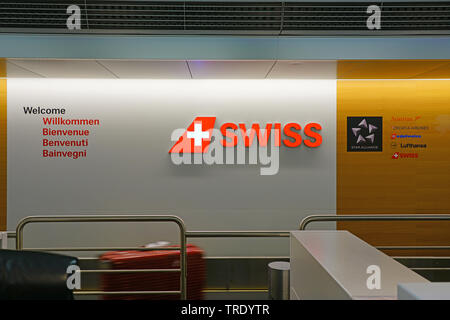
point(200, 69)
point(230, 69)
point(303, 70)
point(65, 68)
point(126, 69)
point(440, 72)
point(393, 69)
point(14, 71)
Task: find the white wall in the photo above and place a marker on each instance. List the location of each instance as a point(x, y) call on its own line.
point(128, 168)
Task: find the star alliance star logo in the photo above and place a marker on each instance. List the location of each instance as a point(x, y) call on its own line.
point(364, 134)
point(358, 132)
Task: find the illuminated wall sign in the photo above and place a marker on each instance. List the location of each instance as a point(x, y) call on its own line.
point(127, 168)
point(208, 144)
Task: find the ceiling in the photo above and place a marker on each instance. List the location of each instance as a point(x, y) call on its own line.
point(226, 17)
point(198, 69)
point(230, 69)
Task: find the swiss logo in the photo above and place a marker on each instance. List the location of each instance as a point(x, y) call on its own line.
point(197, 137)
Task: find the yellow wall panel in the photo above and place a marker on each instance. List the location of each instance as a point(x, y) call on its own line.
point(3, 155)
point(373, 182)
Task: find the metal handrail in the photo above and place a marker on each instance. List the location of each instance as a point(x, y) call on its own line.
point(61, 249)
point(372, 217)
point(413, 247)
point(190, 234)
point(117, 218)
point(128, 270)
point(11, 234)
point(199, 234)
point(237, 234)
point(114, 293)
point(380, 217)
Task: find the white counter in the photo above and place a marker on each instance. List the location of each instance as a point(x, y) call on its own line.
point(424, 291)
point(333, 265)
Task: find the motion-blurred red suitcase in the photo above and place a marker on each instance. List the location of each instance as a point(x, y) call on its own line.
point(159, 259)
